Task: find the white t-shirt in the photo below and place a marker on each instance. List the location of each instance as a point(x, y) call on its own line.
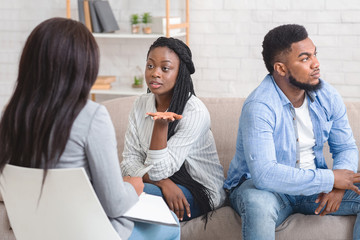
point(306, 136)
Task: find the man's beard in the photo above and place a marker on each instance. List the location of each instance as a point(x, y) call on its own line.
point(304, 86)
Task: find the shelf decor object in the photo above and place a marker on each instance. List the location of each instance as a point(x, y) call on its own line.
point(138, 78)
point(106, 16)
point(146, 20)
point(135, 27)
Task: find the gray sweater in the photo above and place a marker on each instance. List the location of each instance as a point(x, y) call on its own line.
point(92, 145)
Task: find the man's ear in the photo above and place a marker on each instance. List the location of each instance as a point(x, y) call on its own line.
point(280, 68)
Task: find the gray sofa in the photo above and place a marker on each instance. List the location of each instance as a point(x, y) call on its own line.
point(225, 223)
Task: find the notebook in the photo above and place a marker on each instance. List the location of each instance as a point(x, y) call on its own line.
point(151, 209)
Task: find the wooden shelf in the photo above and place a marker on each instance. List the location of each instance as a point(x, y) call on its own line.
point(134, 36)
point(121, 90)
point(184, 25)
point(125, 90)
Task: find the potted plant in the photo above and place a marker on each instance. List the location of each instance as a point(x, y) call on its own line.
point(146, 20)
point(135, 27)
point(138, 82)
point(138, 78)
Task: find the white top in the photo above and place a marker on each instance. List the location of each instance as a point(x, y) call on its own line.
point(192, 143)
point(306, 136)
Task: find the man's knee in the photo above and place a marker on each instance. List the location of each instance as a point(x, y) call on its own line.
point(251, 200)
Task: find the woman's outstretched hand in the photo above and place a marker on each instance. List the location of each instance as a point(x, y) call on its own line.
point(160, 130)
point(168, 116)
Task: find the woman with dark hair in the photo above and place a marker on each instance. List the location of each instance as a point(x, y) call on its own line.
point(169, 142)
point(50, 123)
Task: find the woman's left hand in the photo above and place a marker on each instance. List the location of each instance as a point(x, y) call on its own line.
point(175, 198)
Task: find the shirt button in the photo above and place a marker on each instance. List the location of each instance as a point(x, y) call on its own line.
point(297, 139)
point(293, 118)
point(297, 161)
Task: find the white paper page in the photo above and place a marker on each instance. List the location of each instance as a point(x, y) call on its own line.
point(151, 209)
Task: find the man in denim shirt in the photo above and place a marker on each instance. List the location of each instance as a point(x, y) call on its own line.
point(279, 168)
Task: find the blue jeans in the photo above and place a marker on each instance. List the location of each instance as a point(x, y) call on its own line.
point(149, 231)
point(262, 211)
point(194, 209)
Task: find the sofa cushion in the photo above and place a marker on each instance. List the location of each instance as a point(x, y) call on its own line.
point(300, 226)
point(226, 224)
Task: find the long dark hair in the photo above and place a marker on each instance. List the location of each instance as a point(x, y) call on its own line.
point(182, 92)
point(58, 66)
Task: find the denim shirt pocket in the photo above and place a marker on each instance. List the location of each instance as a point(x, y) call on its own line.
point(323, 125)
point(326, 127)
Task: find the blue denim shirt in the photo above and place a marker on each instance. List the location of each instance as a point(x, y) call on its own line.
point(267, 149)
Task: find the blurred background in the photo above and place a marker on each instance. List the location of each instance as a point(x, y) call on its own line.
point(225, 38)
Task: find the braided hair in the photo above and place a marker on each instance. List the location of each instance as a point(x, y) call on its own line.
point(183, 90)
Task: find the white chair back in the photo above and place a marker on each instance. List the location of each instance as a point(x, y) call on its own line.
point(68, 208)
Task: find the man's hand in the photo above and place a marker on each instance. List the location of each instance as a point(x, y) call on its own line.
point(168, 116)
point(345, 179)
point(331, 201)
point(175, 198)
point(136, 182)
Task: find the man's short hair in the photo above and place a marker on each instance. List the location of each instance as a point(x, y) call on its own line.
point(278, 40)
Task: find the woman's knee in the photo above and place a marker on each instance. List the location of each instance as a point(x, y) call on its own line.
point(152, 189)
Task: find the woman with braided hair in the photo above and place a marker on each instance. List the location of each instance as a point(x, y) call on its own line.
point(168, 141)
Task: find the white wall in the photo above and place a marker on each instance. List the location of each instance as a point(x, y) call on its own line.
point(225, 37)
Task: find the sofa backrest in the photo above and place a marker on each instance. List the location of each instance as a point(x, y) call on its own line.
point(225, 113)
point(119, 109)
